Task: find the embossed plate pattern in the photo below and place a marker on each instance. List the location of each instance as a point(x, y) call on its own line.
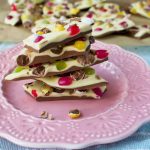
point(114, 124)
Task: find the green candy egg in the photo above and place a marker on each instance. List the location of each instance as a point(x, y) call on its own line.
point(19, 69)
point(61, 65)
point(45, 21)
point(89, 71)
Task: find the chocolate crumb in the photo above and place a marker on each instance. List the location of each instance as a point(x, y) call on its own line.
point(46, 115)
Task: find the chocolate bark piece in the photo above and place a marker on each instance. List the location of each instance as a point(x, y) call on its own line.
point(46, 74)
point(54, 44)
point(22, 60)
point(49, 59)
point(40, 88)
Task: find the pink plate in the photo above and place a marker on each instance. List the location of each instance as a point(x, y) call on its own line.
point(120, 112)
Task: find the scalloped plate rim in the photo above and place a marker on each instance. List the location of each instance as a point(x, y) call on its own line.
point(84, 144)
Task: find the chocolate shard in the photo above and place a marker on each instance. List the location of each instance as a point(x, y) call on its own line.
point(39, 71)
point(58, 90)
point(71, 91)
point(133, 30)
point(78, 75)
point(91, 39)
point(83, 90)
point(45, 30)
point(75, 111)
point(75, 19)
point(57, 49)
point(22, 60)
point(28, 24)
point(86, 59)
point(61, 22)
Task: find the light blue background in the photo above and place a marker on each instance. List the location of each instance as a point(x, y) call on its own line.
point(138, 141)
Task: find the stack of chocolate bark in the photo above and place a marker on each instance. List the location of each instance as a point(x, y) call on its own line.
point(58, 58)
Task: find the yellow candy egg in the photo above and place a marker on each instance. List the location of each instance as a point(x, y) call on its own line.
point(25, 17)
point(121, 13)
point(40, 32)
point(59, 27)
point(109, 25)
point(148, 14)
point(80, 45)
point(74, 11)
point(133, 10)
point(59, 8)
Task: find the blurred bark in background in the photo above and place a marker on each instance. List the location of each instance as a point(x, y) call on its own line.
point(123, 3)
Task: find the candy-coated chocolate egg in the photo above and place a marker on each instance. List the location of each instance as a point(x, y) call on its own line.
point(74, 11)
point(40, 32)
point(98, 29)
point(101, 54)
point(59, 27)
point(65, 81)
point(38, 39)
point(34, 93)
point(80, 45)
point(61, 65)
point(74, 114)
point(73, 29)
point(89, 71)
point(98, 92)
